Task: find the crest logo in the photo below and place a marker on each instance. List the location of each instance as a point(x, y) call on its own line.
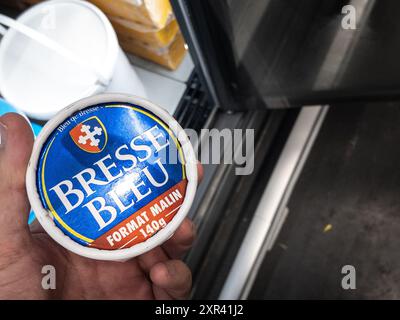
point(90, 135)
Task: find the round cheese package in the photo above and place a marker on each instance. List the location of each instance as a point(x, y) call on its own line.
point(111, 177)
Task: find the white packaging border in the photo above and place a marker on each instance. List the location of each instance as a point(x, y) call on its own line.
point(44, 216)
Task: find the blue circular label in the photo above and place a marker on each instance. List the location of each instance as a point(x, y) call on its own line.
point(112, 175)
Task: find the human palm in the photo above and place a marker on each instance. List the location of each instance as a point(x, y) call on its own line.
point(24, 251)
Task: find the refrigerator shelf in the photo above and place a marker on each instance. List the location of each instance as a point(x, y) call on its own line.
point(195, 107)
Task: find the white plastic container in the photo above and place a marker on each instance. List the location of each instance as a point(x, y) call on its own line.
point(58, 52)
point(40, 174)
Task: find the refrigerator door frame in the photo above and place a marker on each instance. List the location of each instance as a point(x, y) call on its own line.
point(213, 67)
point(210, 41)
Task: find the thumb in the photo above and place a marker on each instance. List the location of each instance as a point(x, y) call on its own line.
point(16, 141)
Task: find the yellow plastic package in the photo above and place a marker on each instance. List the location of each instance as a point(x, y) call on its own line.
point(139, 32)
point(169, 57)
point(153, 13)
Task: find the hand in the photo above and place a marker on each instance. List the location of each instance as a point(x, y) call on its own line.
point(157, 274)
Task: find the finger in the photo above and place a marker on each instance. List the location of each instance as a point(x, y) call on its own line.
point(200, 172)
point(171, 279)
point(151, 258)
point(181, 241)
point(15, 149)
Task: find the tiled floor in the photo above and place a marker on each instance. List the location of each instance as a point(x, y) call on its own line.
point(345, 210)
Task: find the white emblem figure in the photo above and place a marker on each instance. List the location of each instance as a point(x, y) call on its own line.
point(90, 135)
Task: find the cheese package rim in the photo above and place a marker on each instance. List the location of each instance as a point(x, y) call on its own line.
point(44, 216)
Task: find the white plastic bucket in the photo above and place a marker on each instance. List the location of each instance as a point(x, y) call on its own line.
point(58, 52)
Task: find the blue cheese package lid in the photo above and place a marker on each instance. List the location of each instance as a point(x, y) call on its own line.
point(111, 177)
